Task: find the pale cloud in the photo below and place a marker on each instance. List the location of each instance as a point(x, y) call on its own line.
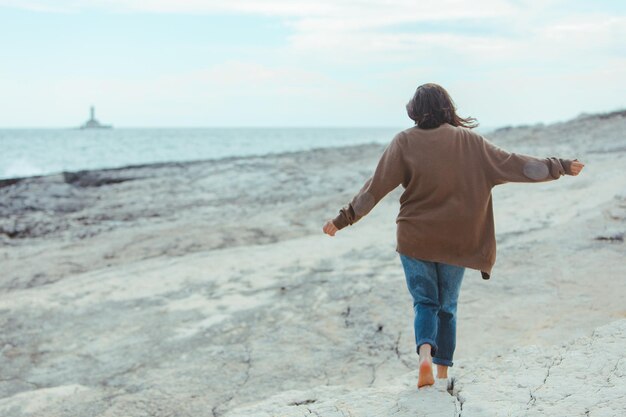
point(590, 30)
point(389, 47)
point(366, 30)
point(545, 51)
point(375, 12)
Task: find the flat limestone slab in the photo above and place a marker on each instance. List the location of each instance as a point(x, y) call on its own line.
point(398, 400)
point(585, 377)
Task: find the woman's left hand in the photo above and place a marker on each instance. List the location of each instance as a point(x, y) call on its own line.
point(329, 228)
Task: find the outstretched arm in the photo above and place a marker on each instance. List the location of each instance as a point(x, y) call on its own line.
point(502, 166)
point(388, 175)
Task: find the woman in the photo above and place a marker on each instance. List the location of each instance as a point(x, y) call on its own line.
point(445, 223)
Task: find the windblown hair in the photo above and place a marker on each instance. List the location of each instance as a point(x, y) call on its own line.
point(432, 106)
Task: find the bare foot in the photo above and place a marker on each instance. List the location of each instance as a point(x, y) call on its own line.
point(426, 373)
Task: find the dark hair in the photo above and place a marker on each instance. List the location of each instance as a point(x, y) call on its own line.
point(431, 106)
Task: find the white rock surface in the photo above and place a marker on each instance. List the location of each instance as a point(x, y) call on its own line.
point(399, 399)
point(585, 377)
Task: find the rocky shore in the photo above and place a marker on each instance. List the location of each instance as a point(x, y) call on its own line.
point(208, 289)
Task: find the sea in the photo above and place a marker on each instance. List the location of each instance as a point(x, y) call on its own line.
point(32, 152)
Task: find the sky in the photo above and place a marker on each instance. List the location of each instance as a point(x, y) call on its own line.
point(193, 63)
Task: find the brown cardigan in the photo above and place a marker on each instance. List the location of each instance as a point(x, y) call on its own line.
point(446, 212)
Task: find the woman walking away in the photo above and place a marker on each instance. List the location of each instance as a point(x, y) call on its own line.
point(445, 223)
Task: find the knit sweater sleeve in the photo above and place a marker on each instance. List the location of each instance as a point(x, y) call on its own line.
point(389, 173)
point(502, 166)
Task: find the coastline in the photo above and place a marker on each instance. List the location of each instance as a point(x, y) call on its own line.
point(4, 182)
point(36, 153)
point(490, 132)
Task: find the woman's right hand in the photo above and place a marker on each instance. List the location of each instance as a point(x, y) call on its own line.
point(329, 228)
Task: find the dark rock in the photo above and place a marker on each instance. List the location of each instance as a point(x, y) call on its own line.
point(93, 178)
point(617, 237)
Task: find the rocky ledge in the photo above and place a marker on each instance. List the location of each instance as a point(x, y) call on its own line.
point(585, 377)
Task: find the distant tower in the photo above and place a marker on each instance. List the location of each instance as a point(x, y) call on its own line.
point(92, 123)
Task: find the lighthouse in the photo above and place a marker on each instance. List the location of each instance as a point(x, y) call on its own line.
point(92, 123)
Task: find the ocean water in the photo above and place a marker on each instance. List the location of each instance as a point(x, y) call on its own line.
point(29, 152)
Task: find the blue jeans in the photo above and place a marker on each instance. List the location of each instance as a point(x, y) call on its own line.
point(435, 289)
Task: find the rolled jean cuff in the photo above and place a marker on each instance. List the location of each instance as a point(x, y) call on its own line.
point(444, 362)
point(431, 342)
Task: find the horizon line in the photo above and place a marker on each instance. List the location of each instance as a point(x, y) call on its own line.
point(114, 127)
